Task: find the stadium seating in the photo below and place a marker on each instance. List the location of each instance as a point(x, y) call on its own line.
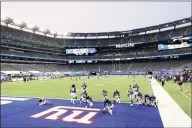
point(22, 43)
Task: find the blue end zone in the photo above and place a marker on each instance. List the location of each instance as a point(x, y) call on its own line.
point(18, 114)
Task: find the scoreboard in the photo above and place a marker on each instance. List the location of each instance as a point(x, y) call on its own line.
point(81, 51)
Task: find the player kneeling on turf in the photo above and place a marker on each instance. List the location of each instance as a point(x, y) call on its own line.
point(73, 94)
point(43, 101)
point(153, 101)
point(116, 96)
point(83, 98)
point(147, 100)
point(89, 101)
point(109, 106)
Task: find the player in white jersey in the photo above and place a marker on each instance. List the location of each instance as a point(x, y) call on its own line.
point(43, 101)
point(131, 94)
point(73, 94)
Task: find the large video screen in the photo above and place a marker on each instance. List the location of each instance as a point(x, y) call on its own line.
point(81, 51)
point(173, 46)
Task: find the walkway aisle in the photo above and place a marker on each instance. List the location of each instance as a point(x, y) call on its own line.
point(171, 114)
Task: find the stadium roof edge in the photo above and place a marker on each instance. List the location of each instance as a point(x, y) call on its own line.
point(9, 21)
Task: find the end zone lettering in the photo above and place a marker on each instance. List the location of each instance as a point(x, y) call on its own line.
point(61, 110)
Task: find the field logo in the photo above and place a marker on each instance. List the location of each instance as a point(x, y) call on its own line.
point(72, 117)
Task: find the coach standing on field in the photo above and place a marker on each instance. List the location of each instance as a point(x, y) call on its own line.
point(162, 81)
point(180, 83)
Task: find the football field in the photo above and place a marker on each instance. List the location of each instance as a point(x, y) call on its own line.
point(20, 107)
point(59, 88)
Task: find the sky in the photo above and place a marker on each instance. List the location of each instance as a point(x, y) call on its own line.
point(64, 17)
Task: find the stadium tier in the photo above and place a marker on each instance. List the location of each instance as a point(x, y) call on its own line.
point(25, 51)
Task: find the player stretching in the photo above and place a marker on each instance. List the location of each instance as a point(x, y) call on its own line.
point(150, 100)
point(116, 96)
point(147, 100)
point(84, 87)
point(131, 95)
point(153, 101)
point(109, 106)
point(73, 93)
point(104, 92)
point(136, 87)
point(43, 101)
point(89, 101)
point(83, 97)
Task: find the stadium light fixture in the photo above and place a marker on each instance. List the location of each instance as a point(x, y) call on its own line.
point(23, 25)
point(47, 31)
point(35, 28)
point(183, 21)
point(8, 21)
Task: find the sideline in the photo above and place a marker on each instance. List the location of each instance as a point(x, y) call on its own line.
point(171, 114)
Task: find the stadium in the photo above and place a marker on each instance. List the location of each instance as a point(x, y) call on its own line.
point(42, 64)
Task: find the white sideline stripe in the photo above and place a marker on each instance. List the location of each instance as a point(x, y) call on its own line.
point(14, 98)
point(5, 102)
point(184, 95)
point(80, 108)
point(171, 114)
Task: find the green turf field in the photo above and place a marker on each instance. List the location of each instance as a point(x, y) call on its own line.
point(182, 98)
point(59, 88)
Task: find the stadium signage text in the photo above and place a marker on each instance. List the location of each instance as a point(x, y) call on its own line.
point(77, 116)
point(124, 45)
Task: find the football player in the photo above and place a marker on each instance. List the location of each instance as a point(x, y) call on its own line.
point(180, 83)
point(146, 99)
point(136, 87)
point(116, 96)
point(89, 101)
point(83, 97)
point(131, 95)
point(139, 98)
point(153, 101)
point(109, 106)
point(43, 101)
point(84, 87)
point(104, 92)
point(73, 93)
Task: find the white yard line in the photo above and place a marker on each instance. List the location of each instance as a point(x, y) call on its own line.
point(171, 114)
point(184, 95)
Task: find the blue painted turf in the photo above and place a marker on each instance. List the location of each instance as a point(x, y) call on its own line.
point(17, 114)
